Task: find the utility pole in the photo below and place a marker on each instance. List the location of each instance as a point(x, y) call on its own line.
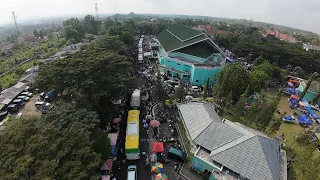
point(14, 17)
point(96, 7)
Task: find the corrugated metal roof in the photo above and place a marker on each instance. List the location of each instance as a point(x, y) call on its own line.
point(245, 151)
point(195, 117)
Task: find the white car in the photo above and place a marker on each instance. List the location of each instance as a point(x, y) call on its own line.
point(195, 89)
point(25, 98)
point(132, 172)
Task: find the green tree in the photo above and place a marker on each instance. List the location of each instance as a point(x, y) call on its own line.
point(259, 60)
point(308, 84)
point(92, 78)
point(179, 93)
point(41, 35)
point(239, 107)
point(90, 25)
point(73, 29)
point(159, 93)
point(35, 33)
point(306, 164)
point(233, 78)
point(258, 79)
point(206, 87)
point(55, 146)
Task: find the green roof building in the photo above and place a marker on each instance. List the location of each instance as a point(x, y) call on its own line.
point(189, 54)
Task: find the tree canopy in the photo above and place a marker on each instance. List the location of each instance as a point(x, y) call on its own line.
point(233, 77)
point(42, 148)
point(93, 78)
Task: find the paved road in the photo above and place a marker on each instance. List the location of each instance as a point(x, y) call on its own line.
point(143, 172)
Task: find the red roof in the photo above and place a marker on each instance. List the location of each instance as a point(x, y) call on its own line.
point(218, 32)
point(30, 39)
point(277, 34)
point(204, 27)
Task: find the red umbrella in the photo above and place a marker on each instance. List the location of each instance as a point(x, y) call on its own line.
point(116, 120)
point(154, 123)
point(107, 165)
point(157, 147)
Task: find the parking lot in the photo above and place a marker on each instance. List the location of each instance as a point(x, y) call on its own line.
point(29, 109)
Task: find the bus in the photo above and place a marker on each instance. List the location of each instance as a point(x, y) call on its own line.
point(135, 99)
point(132, 136)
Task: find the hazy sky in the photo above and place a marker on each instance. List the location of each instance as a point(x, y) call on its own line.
point(302, 14)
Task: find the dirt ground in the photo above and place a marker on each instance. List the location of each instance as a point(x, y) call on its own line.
point(29, 109)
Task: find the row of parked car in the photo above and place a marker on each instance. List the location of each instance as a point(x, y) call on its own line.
point(16, 104)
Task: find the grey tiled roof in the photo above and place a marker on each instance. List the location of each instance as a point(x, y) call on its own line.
point(216, 135)
point(241, 149)
point(196, 118)
point(256, 158)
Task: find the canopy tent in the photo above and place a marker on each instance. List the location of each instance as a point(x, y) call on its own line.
point(290, 90)
point(314, 115)
point(294, 96)
point(304, 119)
point(113, 138)
point(293, 102)
point(157, 147)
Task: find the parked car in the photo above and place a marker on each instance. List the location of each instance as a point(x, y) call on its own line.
point(132, 172)
point(3, 115)
point(45, 107)
point(19, 102)
point(39, 104)
point(13, 108)
point(25, 98)
point(195, 89)
point(29, 94)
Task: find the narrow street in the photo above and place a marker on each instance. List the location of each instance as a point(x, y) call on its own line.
point(143, 172)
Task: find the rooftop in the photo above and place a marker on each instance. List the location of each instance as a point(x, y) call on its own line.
point(314, 87)
point(177, 37)
point(241, 149)
point(7, 95)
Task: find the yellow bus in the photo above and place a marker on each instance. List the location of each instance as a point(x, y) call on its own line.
point(132, 135)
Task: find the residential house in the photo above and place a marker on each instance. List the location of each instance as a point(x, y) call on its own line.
point(226, 150)
point(190, 55)
point(277, 34)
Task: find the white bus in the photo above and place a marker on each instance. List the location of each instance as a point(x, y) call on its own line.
point(135, 99)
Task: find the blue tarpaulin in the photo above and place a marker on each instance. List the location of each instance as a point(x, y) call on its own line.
point(290, 90)
point(113, 150)
point(304, 119)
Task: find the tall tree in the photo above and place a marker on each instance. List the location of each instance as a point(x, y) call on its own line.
point(179, 93)
point(205, 91)
point(158, 91)
point(73, 29)
point(41, 35)
point(90, 25)
point(308, 84)
point(55, 146)
point(93, 78)
point(258, 79)
point(233, 78)
point(35, 33)
point(259, 60)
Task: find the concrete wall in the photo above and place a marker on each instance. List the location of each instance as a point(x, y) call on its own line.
point(199, 75)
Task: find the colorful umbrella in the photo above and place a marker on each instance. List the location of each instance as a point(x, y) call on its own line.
point(154, 123)
point(157, 167)
point(116, 120)
point(161, 176)
point(153, 157)
point(189, 98)
point(290, 84)
point(149, 116)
